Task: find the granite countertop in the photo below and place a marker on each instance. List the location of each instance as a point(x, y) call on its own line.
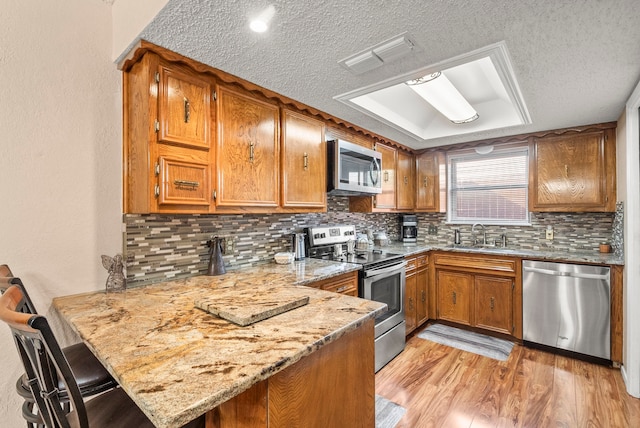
point(407, 249)
point(177, 361)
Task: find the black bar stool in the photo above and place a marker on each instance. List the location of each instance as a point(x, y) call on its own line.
point(90, 374)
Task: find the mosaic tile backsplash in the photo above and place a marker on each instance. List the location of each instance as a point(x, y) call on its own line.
point(160, 247)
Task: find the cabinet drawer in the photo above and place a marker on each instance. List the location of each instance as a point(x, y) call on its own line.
point(344, 284)
point(344, 287)
point(412, 264)
point(422, 260)
point(477, 263)
point(183, 182)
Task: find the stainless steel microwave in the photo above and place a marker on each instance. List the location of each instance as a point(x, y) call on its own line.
point(353, 169)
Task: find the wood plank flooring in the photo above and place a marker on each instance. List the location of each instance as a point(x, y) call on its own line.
point(445, 387)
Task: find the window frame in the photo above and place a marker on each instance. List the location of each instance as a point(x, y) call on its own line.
point(475, 153)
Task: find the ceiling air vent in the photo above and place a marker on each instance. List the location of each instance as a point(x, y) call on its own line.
point(377, 55)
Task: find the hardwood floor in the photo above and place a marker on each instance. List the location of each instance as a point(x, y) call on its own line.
point(445, 387)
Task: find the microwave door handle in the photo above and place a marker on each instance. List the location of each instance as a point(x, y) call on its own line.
point(372, 166)
point(384, 270)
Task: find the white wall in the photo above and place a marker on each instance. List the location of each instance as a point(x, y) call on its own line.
point(60, 157)
point(629, 153)
point(130, 18)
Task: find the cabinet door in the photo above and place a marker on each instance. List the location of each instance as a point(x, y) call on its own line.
point(184, 108)
point(494, 303)
point(182, 182)
point(427, 182)
point(570, 173)
point(405, 181)
point(422, 280)
point(247, 151)
point(387, 199)
point(410, 304)
point(304, 157)
point(453, 290)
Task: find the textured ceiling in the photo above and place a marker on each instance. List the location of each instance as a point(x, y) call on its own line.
point(576, 62)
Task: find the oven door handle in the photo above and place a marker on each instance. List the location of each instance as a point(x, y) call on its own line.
point(384, 270)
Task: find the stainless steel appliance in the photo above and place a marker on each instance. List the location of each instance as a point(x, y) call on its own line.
point(297, 245)
point(382, 278)
point(409, 228)
point(353, 169)
point(567, 307)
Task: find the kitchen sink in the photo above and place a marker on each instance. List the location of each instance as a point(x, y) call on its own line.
point(482, 249)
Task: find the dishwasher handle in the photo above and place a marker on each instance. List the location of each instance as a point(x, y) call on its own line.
point(567, 274)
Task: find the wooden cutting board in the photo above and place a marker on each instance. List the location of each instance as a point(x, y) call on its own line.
point(246, 305)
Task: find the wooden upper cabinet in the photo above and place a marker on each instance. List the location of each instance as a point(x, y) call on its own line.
point(405, 181)
point(427, 182)
point(304, 160)
point(573, 173)
point(184, 112)
point(387, 199)
point(247, 150)
point(166, 153)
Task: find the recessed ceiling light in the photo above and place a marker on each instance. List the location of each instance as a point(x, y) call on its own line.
point(438, 91)
point(260, 23)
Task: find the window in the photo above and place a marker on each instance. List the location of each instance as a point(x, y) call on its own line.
point(488, 188)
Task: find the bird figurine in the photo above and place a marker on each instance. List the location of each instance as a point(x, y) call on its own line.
point(116, 281)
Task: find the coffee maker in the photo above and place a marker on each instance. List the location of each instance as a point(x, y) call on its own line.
point(409, 228)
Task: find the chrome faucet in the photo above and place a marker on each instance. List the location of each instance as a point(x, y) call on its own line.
point(484, 234)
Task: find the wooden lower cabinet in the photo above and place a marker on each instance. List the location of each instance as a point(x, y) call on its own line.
point(416, 300)
point(454, 296)
point(483, 292)
point(422, 299)
point(410, 302)
point(332, 387)
point(493, 303)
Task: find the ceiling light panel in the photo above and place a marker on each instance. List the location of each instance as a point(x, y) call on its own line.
point(485, 79)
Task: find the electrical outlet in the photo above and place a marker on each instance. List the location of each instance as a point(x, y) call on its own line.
point(432, 230)
point(549, 233)
point(228, 245)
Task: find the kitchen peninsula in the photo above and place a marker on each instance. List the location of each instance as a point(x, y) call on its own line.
point(178, 362)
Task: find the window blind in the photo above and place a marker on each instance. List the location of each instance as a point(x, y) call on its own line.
point(490, 188)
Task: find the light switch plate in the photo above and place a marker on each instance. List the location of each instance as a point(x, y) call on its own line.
point(549, 234)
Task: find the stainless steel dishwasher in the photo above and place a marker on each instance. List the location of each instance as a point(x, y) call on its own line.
point(567, 306)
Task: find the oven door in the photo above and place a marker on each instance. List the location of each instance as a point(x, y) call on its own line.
point(386, 285)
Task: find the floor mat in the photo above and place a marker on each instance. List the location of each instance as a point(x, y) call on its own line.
point(388, 413)
point(469, 341)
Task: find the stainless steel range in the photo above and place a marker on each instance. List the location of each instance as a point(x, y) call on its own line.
point(382, 278)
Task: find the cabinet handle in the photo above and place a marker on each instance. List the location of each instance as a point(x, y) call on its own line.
point(306, 161)
point(406, 180)
point(424, 296)
point(566, 170)
point(186, 183)
point(453, 294)
point(426, 182)
point(492, 304)
point(386, 176)
point(411, 303)
point(187, 110)
point(251, 149)
point(341, 289)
